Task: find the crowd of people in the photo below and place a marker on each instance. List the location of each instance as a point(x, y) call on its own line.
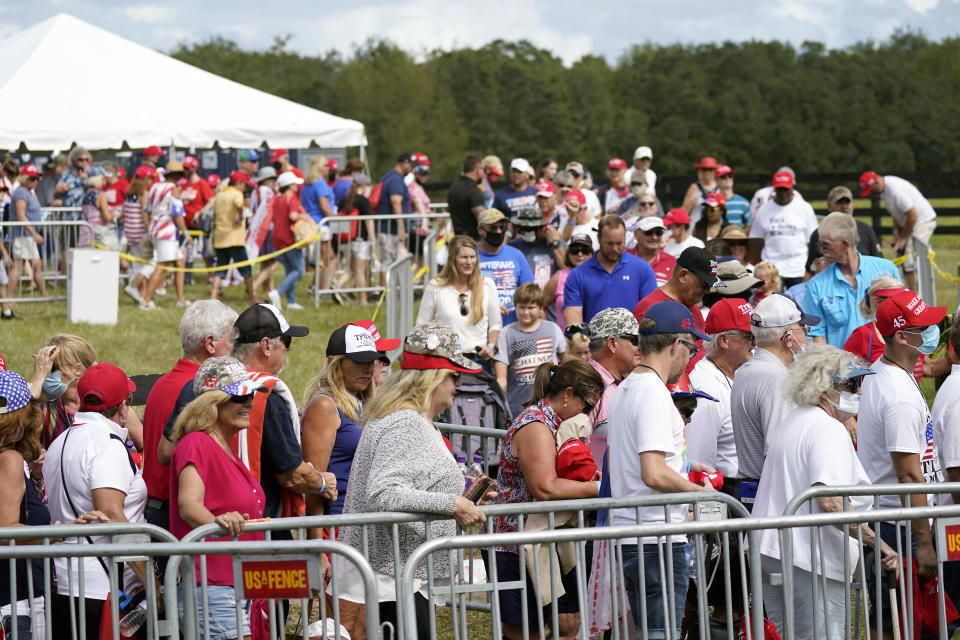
point(729, 344)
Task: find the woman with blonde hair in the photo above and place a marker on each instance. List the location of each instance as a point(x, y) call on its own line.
point(466, 301)
point(331, 412)
point(319, 202)
point(210, 484)
point(403, 463)
point(95, 209)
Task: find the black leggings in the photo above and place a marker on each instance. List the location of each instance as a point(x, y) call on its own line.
point(388, 613)
point(60, 616)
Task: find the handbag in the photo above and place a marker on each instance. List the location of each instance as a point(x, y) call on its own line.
point(304, 229)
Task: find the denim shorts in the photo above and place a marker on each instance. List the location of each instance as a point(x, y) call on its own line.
point(223, 612)
point(656, 618)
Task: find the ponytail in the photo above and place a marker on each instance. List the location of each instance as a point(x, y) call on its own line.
point(550, 379)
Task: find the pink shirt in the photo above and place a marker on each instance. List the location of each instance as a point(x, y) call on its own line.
point(228, 487)
point(598, 418)
point(558, 296)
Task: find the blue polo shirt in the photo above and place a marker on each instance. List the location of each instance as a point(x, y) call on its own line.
point(831, 297)
point(591, 287)
point(508, 268)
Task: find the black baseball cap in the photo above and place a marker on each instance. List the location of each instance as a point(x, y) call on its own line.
point(703, 264)
point(407, 156)
point(354, 342)
point(265, 321)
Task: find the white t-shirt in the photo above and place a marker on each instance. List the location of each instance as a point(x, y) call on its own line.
point(442, 304)
point(894, 418)
point(710, 432)
point(676, 248)
point(899, 196)
point(763, 194)
point(785, 230)
point(593, 202)
point(810, 448)
point(642, 417)
point(92, 460)
point(946, 423)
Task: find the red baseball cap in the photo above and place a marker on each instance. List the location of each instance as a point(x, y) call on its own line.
point(213, 179)
point(715, 199)
point(421, 158)
point(867, 180)
point(381, 344)
point(153, 151)
point(724, 169)
point(546, 189)
point(276, 154)
point(782, 180)
point(191, 161)
point(121, 172)
point(333, 165)
point(102, 386)
point(617, 163)
point(240, 176)
point(575, 461)
point(706, 162)
point(30, 170)
point(143, 171)
point(906, 309)
point(729, 314)
point(676, 216)
point(577, 195)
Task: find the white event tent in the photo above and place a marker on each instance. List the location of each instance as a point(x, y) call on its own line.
point(53, 94)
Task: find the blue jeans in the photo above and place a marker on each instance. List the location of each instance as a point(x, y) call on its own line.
point(652, 585)
point(292, 262)
point(223, 612)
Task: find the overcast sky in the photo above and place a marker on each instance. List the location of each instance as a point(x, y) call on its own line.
point(570, 29)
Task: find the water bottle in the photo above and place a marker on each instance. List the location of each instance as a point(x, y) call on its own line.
point(132, 622)
point(465, 470)
point(477, 467)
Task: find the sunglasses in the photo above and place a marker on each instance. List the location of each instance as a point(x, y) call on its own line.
point(456, 377)
point(631, 338)
point(565, 186)
point(587, 406)
point(646, 204)
point(241, 399)
point(287, 341)
point(580, 251)
point(463, 304)
point(653, 232)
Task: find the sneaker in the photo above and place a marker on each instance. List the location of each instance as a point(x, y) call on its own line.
point(133, 292)
point(162, 291)
point(274, 298)
point(337, 297)
point(148, 306)
point(183, 305)
point(294, 306)
point(7, 315)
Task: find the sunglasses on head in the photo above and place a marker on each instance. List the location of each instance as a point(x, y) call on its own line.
point(463, 304)
point(241, 399)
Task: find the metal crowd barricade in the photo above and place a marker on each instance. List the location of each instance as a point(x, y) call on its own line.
point(128, 542)
point(58, 236)
point(903, 534)
point(349, 258)
point(926, 276)
point(616, 535)
point(472, 441)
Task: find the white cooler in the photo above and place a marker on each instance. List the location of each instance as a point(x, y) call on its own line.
point(93, 282)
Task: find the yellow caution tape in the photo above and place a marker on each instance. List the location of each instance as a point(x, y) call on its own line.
point(943, 274)
point(243, 263)
point(376, 310)
point(899, 260)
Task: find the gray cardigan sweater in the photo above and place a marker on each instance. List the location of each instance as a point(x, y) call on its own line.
point(402, 464)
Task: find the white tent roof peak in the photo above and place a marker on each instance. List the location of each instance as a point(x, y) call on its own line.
point(185, 106)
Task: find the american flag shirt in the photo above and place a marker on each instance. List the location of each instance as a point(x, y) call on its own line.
point(523, 351)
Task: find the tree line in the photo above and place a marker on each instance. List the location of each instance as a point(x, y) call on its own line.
point(893, 106)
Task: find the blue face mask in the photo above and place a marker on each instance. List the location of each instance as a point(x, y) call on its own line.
point(53, 385)
point(931, 339)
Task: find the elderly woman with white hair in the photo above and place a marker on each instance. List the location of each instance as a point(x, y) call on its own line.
point(95, 209)
point(812, 448)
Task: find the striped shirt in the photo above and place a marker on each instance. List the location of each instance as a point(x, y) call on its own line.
point(133, 227)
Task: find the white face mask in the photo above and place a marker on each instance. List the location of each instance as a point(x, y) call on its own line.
point(849, 403)
point(529, 236)
point(802, 345)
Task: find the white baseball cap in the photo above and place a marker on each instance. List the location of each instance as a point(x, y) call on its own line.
point(643, 152)
point(648, 224)
point(287, 178)
point(778, 310)
point(520, 164)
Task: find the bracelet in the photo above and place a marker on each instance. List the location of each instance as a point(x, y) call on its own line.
point(598, 486)
point(323, 485)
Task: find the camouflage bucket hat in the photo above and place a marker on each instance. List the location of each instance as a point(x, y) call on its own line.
point(225, 374)
point(612, 323)
point(528, 217)
point(435, 346)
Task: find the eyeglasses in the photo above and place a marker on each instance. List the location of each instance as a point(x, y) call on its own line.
point(690, 345)
point(587, 406)
point(631, 338)
point(654, 232)
point(580, 251)
point(644, 203)
point(456, 378)
point(241, 399)
point(463, 304)
point(743, 334)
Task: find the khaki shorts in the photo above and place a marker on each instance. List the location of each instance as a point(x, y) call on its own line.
point(921, 231)
point(24, 248)
point(388, 248)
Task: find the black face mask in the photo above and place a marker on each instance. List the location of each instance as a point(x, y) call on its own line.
point(494, 238)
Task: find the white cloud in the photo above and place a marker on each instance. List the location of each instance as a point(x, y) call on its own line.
point(151, 13)
point(922, 6)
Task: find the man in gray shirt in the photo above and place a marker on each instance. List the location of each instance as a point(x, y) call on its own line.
point(757, 404)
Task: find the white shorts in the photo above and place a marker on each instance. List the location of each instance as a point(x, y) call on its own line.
point(921, 231)
point(25, 248)
point(4, 278)
point(167, 251)
point(138, 268)
point(360, 249)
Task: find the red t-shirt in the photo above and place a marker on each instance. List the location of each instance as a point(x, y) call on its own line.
point(657, 295)
point(866, 342)
point(228, 486)
point(195, 195)
point(282, 233)
point(116, 192)
point(157, 411)
point(663, 266)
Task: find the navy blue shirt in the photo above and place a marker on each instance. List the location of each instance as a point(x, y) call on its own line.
point(591, 287)
point(509, 201)
point(393, 185)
